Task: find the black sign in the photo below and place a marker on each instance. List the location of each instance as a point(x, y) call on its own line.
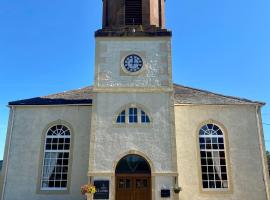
point(165, 193)
point(102, 189)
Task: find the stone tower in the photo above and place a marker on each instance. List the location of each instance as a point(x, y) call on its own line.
point(133, 113)
point(120, 13)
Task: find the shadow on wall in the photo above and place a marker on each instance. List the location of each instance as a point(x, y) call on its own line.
point(268, 160)
point(1, 178)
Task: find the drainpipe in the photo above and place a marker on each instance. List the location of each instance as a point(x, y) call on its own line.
point(8, 152)
point(262, 149)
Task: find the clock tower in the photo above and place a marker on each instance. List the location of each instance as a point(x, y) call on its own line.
point(133, 112)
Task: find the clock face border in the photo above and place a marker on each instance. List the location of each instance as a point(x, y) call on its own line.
point(139, 63)
point(126, 71)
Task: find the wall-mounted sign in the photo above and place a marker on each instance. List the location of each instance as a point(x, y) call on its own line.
point(102, 189)
point(165, 193)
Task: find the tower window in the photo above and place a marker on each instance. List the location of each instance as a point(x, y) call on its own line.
point(133, 12)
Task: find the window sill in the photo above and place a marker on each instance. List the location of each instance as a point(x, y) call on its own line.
point(133, 125)
point(53, 191)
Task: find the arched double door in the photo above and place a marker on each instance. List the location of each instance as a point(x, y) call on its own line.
point(133, 178)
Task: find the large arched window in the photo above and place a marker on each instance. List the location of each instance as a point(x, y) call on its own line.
point(213, 159)
point(133, 115)
point(56, 158)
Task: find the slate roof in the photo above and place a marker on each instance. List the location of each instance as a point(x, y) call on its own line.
point(182, 95)
point(188, 95)
point(79, 96)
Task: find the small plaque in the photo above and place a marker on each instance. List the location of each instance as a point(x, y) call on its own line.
point(165, 193)
point(102, 189)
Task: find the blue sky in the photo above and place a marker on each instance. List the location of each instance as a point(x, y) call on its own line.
point(48, 47)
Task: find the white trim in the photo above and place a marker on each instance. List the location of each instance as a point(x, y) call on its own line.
point(215, 189)
point(53, 189)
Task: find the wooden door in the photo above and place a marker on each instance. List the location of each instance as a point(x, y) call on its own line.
point(142, 188)
point(124, 188)
point(133, 187)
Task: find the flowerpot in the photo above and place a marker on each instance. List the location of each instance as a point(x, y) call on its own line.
point(89, 196)
point(177, 190)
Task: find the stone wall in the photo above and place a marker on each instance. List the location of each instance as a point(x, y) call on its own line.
point(154, 141)
point(239, 124)
point(156, 55)
point(30, 123)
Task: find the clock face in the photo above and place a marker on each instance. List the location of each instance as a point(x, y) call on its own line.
point(133, 63)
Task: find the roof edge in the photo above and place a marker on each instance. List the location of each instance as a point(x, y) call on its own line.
point(58, 99)
point(39, 101)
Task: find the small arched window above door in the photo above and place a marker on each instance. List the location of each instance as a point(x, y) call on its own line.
point(133, 115)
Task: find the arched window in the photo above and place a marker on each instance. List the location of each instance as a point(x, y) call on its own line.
point(56, 158)
point(133, 115)
point(133, 164)
point(133, 12)
point(213, 159)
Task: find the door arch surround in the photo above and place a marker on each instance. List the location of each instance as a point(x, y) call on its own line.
point(133, 179)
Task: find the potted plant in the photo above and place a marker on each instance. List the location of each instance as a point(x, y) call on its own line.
point(177, 189)
point(88, 190)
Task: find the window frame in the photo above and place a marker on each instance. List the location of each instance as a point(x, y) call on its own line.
point(66, 190)
point(210, 191)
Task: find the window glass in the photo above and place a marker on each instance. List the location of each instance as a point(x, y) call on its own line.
point(56, 159)
point(144, 117)
point(133, 116)
point(122, 117)
point(133, 164)
point(213, 161)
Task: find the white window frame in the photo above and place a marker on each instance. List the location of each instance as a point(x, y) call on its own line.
point(217, 166)
point(57, 134)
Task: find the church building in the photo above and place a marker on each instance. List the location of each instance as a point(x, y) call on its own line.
point(135, 134)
